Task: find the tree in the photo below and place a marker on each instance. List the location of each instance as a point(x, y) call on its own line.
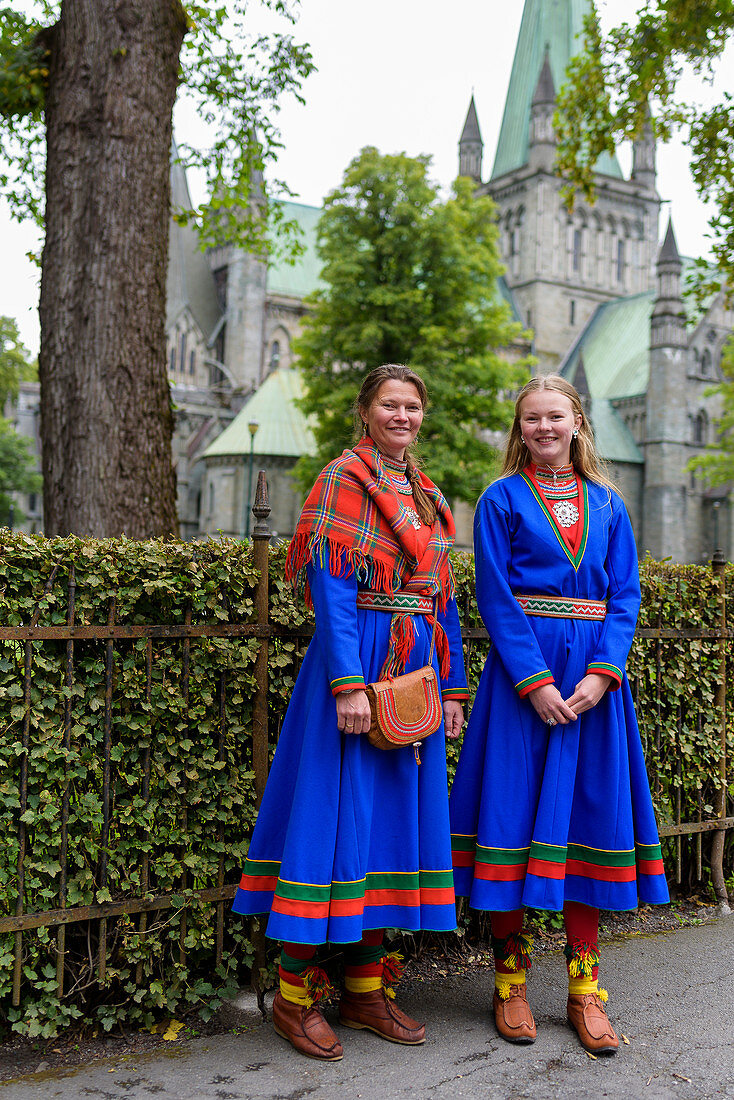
point(17, 472)
point(620, 80)
point(96, 80)
point(411, 279)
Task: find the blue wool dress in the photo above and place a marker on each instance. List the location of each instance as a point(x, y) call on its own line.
point(542, 815)
point(350, 837)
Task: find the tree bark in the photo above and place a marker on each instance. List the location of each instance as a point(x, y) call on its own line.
point(106, 418)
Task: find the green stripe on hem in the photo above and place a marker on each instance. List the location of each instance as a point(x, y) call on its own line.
point(605, 666)
point(601, 858)
point(502, 856)
point(549, 853)
point(460, 843)
point(648, 851)
point(347, 683)
point(261, 868)
point(534, 679)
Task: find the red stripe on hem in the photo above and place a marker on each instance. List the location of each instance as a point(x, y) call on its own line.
point(462, 859)
point(544, 869)
point(531, 687)
point(495, 872)
point(603, 874)
point(651, 867)
point(258, 882)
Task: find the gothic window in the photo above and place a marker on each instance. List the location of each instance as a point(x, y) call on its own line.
point(700, 424)
point(182, 363)
point(172, 359)
point(211, 498)
point(576, 251)
point(619, 270)
point(192, 362)
point(274, 355)
point(572, 312)
point(706, 363)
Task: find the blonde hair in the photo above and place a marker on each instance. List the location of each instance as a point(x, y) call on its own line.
point(396, 372)
point(584, 457)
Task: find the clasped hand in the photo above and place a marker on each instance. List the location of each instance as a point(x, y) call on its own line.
point(550, 705)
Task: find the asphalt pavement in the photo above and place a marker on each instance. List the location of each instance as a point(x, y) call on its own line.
point(670, 994)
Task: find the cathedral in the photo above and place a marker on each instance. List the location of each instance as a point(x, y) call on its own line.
point(599, 292)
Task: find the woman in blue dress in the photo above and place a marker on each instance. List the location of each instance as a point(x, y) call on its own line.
point(551, 805)
point(350, 839)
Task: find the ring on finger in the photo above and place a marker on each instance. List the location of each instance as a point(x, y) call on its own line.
point(550, 721)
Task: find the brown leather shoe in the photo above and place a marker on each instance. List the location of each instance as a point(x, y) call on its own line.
point(513, 1017)
point(306, 1030)
point(377, 1012)
point(588, 1016)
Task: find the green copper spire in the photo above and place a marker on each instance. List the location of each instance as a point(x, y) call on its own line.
point(551, 24)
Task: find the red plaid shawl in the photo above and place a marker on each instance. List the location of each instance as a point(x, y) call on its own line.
point(354, 513)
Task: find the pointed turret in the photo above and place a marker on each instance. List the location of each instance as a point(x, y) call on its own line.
point(549, 28)
point(666, 415)
point(643, 157)
point(668, 319)
point(471, 146)
point(542, 137)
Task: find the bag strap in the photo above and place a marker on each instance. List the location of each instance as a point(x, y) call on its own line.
point(433, 632)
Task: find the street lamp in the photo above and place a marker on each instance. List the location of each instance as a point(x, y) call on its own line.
point(252, 427)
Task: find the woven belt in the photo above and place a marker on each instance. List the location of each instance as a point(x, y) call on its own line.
point(398, 601)
point(563, 607)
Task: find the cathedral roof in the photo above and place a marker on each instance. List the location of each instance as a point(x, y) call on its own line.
point(546, 24)
point(302, 277)
point(283, 430)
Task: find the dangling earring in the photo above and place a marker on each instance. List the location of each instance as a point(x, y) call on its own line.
point(522, 438)
point(364, 427)
point(575, 433)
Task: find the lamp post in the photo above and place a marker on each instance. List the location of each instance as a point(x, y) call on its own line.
point(253, 425)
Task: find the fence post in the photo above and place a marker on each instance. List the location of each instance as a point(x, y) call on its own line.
point(718, 565)
point(261, 561)
point(260, 555)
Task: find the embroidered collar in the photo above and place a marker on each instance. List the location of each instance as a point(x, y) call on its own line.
point(547, 475)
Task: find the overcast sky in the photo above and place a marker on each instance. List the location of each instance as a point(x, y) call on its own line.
point(397, 74)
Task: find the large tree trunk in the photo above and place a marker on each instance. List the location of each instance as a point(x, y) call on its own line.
point(106, 419)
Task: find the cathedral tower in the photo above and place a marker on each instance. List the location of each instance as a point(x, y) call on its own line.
point(664, 510)
point(562, 264)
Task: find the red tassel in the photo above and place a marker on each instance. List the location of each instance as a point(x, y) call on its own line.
point(393, 968)
point(317, 985)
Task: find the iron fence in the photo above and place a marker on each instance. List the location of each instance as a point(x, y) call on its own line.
point(219, 893)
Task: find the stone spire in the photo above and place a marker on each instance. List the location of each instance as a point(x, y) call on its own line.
point(471, 146)
point(667, 328)
point(548, 27)
point(643, 157)
point(542, 138)
point(666, 415)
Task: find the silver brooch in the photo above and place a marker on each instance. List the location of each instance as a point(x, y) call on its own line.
point(566, 513)
point(413, 516)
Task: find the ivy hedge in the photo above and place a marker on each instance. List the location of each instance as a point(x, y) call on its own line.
point(193, 816)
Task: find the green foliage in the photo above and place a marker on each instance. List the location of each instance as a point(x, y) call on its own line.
point(410, 279)
point(199, 810)
point(232, 78)
point(17, 472)
point(716, 464)
point(637, 66)
point(14, 365)
point(17, 463)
